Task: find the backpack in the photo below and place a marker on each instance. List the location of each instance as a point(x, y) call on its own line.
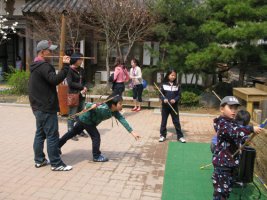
point(144, 83)
point(111, 78)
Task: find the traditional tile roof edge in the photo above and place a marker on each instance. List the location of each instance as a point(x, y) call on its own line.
point(36, 6)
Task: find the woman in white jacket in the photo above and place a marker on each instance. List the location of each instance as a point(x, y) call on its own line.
point(136, 77)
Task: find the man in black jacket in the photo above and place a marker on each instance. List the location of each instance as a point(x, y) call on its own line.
point(44, 103)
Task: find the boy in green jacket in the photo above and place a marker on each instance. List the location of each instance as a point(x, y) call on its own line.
point(89, 120)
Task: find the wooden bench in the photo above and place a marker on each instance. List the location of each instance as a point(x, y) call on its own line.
point(251, 95)
point(147, 102)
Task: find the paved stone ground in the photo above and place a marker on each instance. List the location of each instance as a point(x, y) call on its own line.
point(135, 170)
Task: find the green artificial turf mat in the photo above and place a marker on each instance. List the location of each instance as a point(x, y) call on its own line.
point(184, 180)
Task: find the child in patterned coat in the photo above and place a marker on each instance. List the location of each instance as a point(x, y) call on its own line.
point(230, 135)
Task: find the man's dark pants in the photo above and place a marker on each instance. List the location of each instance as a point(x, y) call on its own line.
point(46, 128)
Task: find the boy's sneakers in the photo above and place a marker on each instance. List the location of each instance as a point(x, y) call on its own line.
point(44, 163)
point(182, 140)
point(62, 167)
point(162, 139)
point(100, 158)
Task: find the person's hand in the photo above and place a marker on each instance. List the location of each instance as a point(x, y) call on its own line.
point(66, 59)
point(172, 101)
point(135, 135)
point(165, 100)
point(94, 106)
point(257, 129)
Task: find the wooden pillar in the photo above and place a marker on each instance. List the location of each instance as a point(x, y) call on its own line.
point(250, 107)
point(62, 38)
point(28, 48)
point(62, 89)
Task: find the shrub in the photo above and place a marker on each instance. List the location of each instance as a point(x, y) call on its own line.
point(101, 89)
point(146, 93)
point(18, 80)
point(197, 89)
point(189, 99)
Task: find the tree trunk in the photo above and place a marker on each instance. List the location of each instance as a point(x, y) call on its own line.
point(185, 76)
point(220, 76)
point(191, 82)
point(196, 82)
point(128, 51)
point(107, 67)
point(107, 59)
point(180, 76)
point(242, 73)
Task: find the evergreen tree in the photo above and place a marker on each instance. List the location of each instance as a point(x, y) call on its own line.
point(234, 29)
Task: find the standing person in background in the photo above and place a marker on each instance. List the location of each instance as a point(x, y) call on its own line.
point(121, 76)
point(44, 103)
point(18, 63)
point(76, 84)
point(136, 76)
point(172, 94)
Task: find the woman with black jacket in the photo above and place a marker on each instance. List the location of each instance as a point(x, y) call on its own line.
point(76, 83)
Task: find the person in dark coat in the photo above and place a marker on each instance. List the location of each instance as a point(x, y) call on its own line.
point(76, 84)
point(230, 135)
point(44, 103)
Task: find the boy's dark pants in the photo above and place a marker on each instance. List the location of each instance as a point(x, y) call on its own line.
point(222, 183)
point(77, 129)
point(166, 110)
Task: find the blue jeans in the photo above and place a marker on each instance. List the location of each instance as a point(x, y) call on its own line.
point(46, 128)
point(74, 110)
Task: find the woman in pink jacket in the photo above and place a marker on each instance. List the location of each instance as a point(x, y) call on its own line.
point(121, 76)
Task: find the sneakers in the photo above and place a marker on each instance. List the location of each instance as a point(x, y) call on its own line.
point(100, 158)
point(75, 138)
point(182, 140)
point(162, 139)
point(44, 163)
point(62, 168)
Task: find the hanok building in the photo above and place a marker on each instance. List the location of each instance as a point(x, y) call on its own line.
point(90, 45)
point(12, 45)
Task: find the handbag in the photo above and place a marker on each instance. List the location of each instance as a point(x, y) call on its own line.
point(73, 99)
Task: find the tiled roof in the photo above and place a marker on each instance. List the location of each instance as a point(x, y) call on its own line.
point(54, 6)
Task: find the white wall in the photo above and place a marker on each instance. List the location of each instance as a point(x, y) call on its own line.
point(18, 5)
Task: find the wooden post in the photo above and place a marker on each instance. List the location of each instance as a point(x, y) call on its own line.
point(62, 38)
point(250, 107)
point(62, 89)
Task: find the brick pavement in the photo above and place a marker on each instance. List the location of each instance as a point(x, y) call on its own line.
point(135, 170)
